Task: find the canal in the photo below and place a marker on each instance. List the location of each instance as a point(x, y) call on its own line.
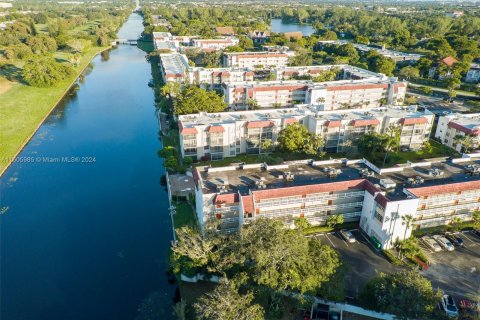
point(87, 230)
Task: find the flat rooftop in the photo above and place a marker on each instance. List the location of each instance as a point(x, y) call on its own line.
point(300, 111)
point(310, 83)
point(437, 172)
point(354, 71)
point(174, 63)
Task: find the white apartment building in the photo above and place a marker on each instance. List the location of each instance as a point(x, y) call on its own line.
point(236, 195)
point(215, 44)
point(260, 60)
point(458, 125)
point(333, 95)
point(213, 78)
point(226, 134)
point(174, 67)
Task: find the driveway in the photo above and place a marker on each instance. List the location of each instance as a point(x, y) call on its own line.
point(362, 259)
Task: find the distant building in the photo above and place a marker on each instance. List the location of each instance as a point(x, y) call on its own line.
point(455, 14)
point(259, 37)
point(473, 74)
point(215, 44)
point(256, 59)
point(225, 31)
point(454, 125)
point(6, 5)
point(174, 67)
point(447, 61)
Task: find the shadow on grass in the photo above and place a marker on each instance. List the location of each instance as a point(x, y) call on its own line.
point(11, 73)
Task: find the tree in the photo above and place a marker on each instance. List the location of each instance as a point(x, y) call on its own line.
point(369, 144)
point(211, 59)
point(283, 259)
point(301, 58)
point(466, 142)
point(45, 72)
point(455, 223)
point(335, 219)
point(78, 45)
point(226, 303)
point(171, 163)
point(266, 146)
point(378, 63)
point(390, 141)
point(192, 252)
point(194, 99)
point(409, 72)
point(427, 147)
point(407, 221)
point(252, 104)
point(297, 138)
point(476, 218)
point(302, 223)
point(406, 294)
point(171, 89)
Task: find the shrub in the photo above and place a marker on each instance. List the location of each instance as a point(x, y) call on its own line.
point(392, 259)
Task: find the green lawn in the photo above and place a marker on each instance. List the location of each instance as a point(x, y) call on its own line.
point(23, 108)
point(184, 215)
point(255, 158)
point(438, 150)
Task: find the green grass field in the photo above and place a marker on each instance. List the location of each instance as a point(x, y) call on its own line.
point(23, 108)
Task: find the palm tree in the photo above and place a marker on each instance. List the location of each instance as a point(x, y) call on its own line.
point(321, 100)
point(407, 222)
point(391, 141)
point(455, 222)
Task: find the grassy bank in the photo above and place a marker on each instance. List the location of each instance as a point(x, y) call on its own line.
point(24, 108)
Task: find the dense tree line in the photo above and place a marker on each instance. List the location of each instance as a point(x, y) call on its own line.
point(37, 36)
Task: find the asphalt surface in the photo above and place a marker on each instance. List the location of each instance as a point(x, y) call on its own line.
point(457, 272)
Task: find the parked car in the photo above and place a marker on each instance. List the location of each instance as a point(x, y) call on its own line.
point(476, 232)
point(455, 240)
point(444, 243)
point(449, 306)
point(347, 235)
point(431, 243)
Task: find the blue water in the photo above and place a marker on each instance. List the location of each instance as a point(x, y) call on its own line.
point(277, 25)
point(89, 240)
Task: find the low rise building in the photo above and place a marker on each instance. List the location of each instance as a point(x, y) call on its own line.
point(259, 37)
point(227, 134)
point(225, 31)
point(174, 67)
point(473, 74)
point(420, 197)
point(215, 44)
point(332, 95)
point(452, 128)
point(261, 59)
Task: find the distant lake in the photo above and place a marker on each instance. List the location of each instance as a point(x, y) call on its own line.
point(278, 26)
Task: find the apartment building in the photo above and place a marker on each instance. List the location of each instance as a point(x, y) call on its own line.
point(214, 44)
point(221, 135)
point(213, 78)
point(229, 197)
point(451, 127)
point(344, 72)
point(174, 67)
point(332, 95)
point(261, 60)
point(341, 130)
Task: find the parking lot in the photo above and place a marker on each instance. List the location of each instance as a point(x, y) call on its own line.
point(456, 272)
point(361, 258)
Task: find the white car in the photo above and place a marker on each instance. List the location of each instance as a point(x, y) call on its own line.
point(431, 243)
point(347, 236)
point(449, 306)
point(444, 243)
